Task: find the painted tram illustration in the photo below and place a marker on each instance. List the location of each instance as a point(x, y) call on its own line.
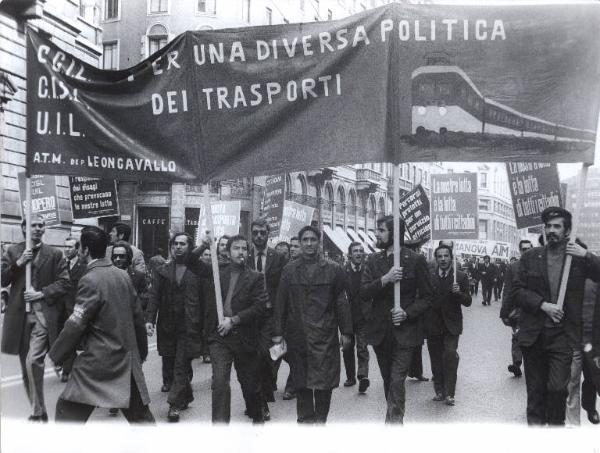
point(446, 99)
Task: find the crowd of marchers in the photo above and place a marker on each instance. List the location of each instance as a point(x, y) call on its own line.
point(93, 309)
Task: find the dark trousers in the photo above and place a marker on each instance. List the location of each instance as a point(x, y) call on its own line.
point(312, 406)
point(266, 372)
point(444, 362)
point(547, 372)
point(181, 393)
point(588, 390)
point(416, 363)
point(498, 289)
point(223, 353)
point(515, 349)
point(72, 412)
point(359, 339)
point(486, 290)
point(168, 369)
point(394, 360)
point(476, 290)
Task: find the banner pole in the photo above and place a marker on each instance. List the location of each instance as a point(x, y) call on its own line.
point(213, 253)
point(28, 231)
point(576, 218)
point(396, 208)
point(454, 265)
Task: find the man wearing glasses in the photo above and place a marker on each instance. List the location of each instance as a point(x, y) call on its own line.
point(31, 318)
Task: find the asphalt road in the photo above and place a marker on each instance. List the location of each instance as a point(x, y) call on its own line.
point(486, 391)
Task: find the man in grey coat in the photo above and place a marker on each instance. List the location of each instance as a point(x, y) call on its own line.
point(311, 305)
point(31, 321)
point(108, 320)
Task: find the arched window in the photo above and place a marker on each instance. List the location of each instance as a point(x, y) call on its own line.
point(351, 202)
point(158, 36)
point(372, 206)
point(329, 196)
point(341, 200)
point(382, 205)
point(302, 181)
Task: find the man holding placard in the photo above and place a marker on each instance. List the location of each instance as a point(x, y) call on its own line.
point(394, 333)
point(549, 333)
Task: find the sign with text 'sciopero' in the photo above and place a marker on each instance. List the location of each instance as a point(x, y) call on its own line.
point(534, 186)
point(93, 197)
point(44, 198)
point(414, 210)
point(438, 83)
point(273, 202)
point(454, 206)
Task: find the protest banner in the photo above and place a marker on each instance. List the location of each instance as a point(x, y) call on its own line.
point(414, 210)
point(468, 83)
point(534, 186)
point(495, 249)
point(44, 198)
point(454, 206)
point(226, 219)
point(273, 203)
point(93, 197)
point(295, 216)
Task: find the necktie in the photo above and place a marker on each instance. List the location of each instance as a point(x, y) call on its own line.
point(259, 267)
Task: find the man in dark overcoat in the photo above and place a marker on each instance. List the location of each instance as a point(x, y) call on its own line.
point(175, 307)
point(108, 321)
point(269, 263)
point(77, 265)
point(393, 333)
point(236, 340)
point(354, 270)
point(444, 323)
point(311, 306)
point(31, 319)
point(548, 335)
point(509, 313)
point(488, 273)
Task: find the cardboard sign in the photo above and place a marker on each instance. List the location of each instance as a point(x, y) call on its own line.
point(295, 216)
point(495, 249)
point(44, 199)
point(93, 197)
point(273, 202)
point(414, 209)
point(226, 219)
point(534, 187)
point(454, 206)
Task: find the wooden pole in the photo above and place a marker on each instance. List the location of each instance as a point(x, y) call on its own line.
point(454, 265)
point(396, 208)
point(576, 218)
point(213, 253)
point(28, 231)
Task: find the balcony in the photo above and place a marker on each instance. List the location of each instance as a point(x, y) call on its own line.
point(368, 180)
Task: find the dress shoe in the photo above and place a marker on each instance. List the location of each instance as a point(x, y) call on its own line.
point(165, 388)
point(363, 385)
point(266, 413)
point(516, 370)
point(438, 397)
point(173, 415)
point(593, 417)
point(350, 382)
point(289, 396)
point(449, 401)
point(113, 411)
point(38, 418)
point(421, 378)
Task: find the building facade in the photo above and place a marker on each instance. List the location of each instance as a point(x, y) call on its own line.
point(74, 25)
point(588, 227)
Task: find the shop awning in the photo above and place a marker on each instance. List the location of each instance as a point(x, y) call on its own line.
point(367, 239)
point(354, 235)
point(336, 239)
